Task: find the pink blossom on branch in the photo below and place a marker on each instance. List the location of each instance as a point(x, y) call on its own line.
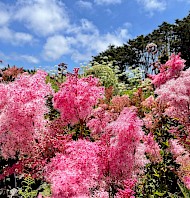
point(187, 181)
point(89, 168)
point(148, 121)
point(77, 97)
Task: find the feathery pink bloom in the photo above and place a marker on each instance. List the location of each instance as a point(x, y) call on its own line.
point(171, 69)
point(77, 97)
point(22, 109)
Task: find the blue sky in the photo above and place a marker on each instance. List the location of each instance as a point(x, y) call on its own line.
point(44, 33)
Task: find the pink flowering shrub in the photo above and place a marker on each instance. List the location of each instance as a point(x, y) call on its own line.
point(110, 158)
point(119, 144)
point(171, 69)
point(77, 97)
point(186, 180)
point(175, 93)
point(100, 120)
point(128, 192)
point(22, 109)
point(149, 102)
point(152, 148)
point(181, 157)
point(73, 173)
point(148, 120)
point(92, 168)
point(119, 102)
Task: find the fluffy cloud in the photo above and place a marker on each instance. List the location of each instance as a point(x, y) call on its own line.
point(153, 5)
point(84, 4)
point(6, 33)
point(57, 46)
point(15, 38)
point(44, 17)
point(4, 17)
point(29, 58)
point(86, 40)
point(49, 22)
point(102, 2)
point(17, 57)
point(4, 14)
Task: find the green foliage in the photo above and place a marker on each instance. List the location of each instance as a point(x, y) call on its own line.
point(108, 75)
point(121, 56)
point(160, 180)
point(169, 38)
point(53, 113)
point(184, 190)
point(55, 81)
point(45, 190)
point(104, 73)
point(136, 82)
point(134, 78)
point(26, 191)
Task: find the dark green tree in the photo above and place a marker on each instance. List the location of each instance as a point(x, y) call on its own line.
point(169, 38)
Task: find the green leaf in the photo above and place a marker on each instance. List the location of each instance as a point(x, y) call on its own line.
point(160, 194)
point(184, 190)
point(156, 175)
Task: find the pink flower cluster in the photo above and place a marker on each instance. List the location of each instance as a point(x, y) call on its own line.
point(175, 93)
point(148, 120)
point(128, 192)
point(73, 173)
point(171, 69)
point(187, 181)
point(100, 120)
point(22, 110)
point(119, 102)
point(152, 148)
point(77, 97)
point(95, 165)
point(120, 140)
point(182, 157)
point(149, 102)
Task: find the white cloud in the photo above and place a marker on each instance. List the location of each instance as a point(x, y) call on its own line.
point(29, 59)
point(56, 46)
point(4, 18)
point(153, 5)
point(91, 44)
point(17, 57)
point(15, 38)
point(87, 26)
point(86, 40)
point(44, 17)
point(102, 2)
point(6, 33)
point(84, 4)
point(49, 19)
point(97, 42)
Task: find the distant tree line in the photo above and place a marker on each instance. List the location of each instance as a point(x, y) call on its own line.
point(168, 39)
